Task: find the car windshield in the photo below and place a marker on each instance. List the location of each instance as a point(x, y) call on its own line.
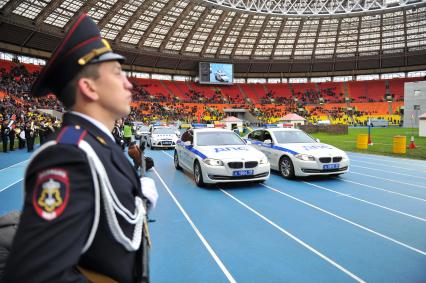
point(293, 137)
point(143, 129)
point(163, 131)
point(218, 138)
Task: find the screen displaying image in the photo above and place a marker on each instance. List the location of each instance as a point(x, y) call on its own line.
point(216, 73)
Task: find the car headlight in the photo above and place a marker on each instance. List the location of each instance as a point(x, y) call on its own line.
point(263, 160)
point(213, 162)
point(345, 157)
point(305, 157)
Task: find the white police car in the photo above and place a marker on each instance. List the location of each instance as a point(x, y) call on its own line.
point(141, 132)
point(162, 137)
point(294, 153)
point(218, 155)
point(221, 76)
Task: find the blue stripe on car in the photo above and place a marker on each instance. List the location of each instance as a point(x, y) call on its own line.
point(284, 149)
point(200, 154)
point(192, 149)
point(280, 148)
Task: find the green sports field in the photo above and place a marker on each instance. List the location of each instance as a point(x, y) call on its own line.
point(382, 139)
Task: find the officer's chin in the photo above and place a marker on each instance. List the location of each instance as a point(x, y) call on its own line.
point(127, 112)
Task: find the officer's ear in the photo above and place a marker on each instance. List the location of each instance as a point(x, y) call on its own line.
point(85, 82)
point(87, 87)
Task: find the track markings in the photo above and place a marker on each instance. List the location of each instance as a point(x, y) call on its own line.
point(390, 180)
point(11, 166)
point(380, 189)
point(390, 172)
point(197, 232)
point(400, 161)
point(299, 241)
point(365, 201)
point(8, 186)
point(410, 168)
point(348, 221)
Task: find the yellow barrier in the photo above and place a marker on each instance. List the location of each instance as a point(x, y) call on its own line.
point(399, 144)
point(362, 141)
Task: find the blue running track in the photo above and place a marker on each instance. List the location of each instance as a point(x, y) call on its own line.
point(368, 225)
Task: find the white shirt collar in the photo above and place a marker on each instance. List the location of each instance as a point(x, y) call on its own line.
point(95, 122)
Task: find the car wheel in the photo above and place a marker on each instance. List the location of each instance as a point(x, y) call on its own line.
point(176, 161)
point(286, 167)
point(198, 175)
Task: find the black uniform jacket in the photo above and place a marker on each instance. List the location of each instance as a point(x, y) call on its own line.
point(55, 223)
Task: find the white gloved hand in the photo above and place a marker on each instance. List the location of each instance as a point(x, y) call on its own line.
point(149, 191)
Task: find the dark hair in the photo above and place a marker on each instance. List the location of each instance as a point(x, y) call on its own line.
point(68, 93)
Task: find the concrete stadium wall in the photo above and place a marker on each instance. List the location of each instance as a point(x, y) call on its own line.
point(414, 95)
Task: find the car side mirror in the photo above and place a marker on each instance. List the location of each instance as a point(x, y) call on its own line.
point(187, 143)
point(248, 142)
point(268, 141)
point(317, 140)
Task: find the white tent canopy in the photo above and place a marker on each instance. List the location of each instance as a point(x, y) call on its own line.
point(231, 122)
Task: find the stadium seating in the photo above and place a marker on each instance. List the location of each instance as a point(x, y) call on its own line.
point(176, 100)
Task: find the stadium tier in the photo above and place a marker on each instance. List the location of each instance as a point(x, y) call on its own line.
point(349, 102)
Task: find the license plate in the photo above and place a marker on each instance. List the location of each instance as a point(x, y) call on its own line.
point(242, 172)
point(167, 143)
point(330, 166)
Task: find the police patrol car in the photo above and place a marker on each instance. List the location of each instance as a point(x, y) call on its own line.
point(141, 132)
point(219, 155)
point(221, 76)
point(162, 137)
point(294, 153)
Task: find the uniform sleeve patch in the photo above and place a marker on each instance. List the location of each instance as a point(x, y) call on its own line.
point(51, 193)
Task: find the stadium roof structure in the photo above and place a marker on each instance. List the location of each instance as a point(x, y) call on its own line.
point(263, 38)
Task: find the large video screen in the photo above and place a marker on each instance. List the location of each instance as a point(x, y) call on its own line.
point(216, 73)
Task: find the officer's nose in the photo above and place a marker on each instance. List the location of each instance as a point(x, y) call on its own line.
point(127, 84)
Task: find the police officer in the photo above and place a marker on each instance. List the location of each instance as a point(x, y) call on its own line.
point(83, 215)
point(12, 135)
point(20, 133)
point(30, 135)
point(118, 133)
point(5, 134)
point(42, 132)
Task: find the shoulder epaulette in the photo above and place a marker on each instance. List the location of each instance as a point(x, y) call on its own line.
point(71, 135)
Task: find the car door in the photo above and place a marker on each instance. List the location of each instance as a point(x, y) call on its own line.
point(274, 153)
point(266, 147)
point(184, 151)
point(255, 138)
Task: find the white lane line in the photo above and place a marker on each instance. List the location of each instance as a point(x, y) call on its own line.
point(366, 201)
point(400, 161)
point(390, 180)
point(305, 245)
point(203, 240)
point(387, 171)
point(380, 189)
point(7, 187)
point(385, 165)
point(13, 165)
point(167, 154)
point(348, 221)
